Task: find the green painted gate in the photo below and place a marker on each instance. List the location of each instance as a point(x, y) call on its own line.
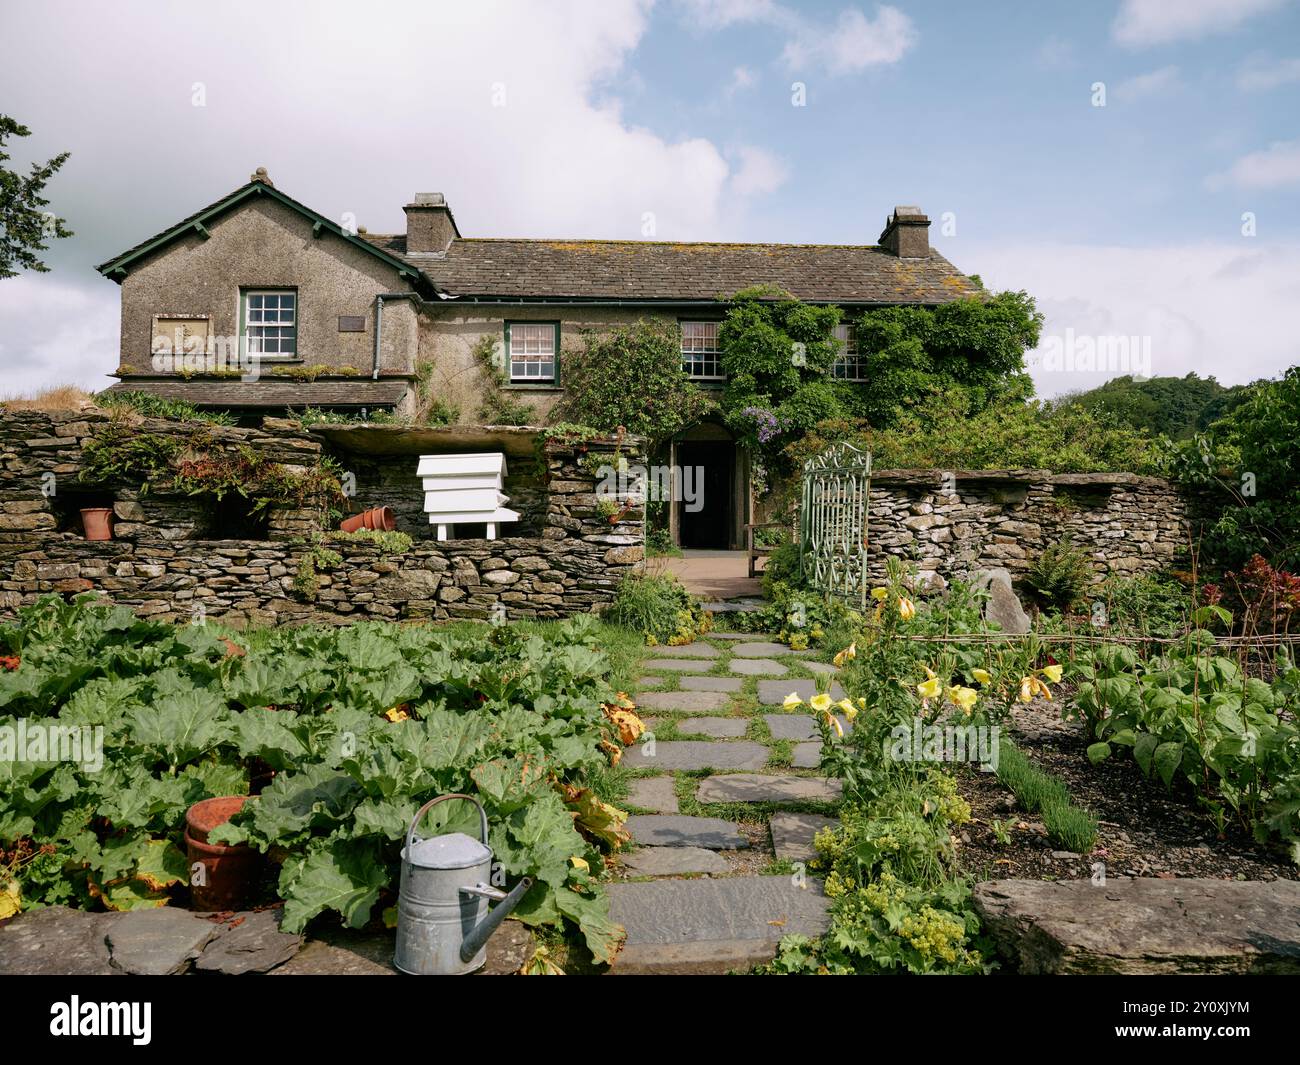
point(833, 522)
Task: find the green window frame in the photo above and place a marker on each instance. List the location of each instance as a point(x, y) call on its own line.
point(532, 352)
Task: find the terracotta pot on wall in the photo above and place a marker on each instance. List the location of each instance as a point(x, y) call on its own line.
point(98, 523)
point(229, 872)
point(381, 519)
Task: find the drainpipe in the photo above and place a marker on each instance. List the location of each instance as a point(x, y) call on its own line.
point(379, 325)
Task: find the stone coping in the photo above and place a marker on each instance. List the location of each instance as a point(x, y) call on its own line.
point(1016, 476)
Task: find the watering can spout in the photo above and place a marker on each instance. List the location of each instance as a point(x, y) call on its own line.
point(481, 932)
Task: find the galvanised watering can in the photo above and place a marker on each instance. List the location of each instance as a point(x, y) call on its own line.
point(443, 920)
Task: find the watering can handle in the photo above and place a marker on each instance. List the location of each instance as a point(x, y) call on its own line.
point(482, 816)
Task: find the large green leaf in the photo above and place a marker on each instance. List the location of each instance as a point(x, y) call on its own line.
point(342, 875)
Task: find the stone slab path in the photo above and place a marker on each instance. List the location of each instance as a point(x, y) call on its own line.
point(722, 809)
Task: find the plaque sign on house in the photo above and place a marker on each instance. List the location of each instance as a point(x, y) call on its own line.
point(465, 489)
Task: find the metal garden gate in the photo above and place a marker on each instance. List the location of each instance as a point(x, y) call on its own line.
point(833, 522)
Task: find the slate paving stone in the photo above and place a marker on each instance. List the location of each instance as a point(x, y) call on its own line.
point(683, 702)
point(825, 668)
point(697, 754)
point(649, 682)
point(711, 926)
point(757, 667)
point(764, 787)
point(773, 692)
point(719, 728)
point(678, 830)
point(693, 650)
point(343, 952)
point(158, 942)
point(676, 665)
point(792, 834)
point(672, 861)
point(253, 945)
point(762, 649)
point(653, 793)
point(56, 941)
point(731, 635)
point(807, 755)
point(711, 684)
point(798, 727)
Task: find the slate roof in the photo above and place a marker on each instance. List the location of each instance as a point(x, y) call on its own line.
point(661, 270)
point(272, 392)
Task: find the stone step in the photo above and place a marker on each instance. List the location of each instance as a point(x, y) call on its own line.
point(773, 692)
point(757, 667)
point(674, 665)
point(820, 667)
point(672, 861)
point(711, 684)
point(793, 834)
point(718, 728)
point(649, 682)
point(1144, 925)
point(765, 787)
point(653, 793)
point(696, 754)
point(807, 755)
point(763, 649)
point(711, 926)
point(678, 830)
point(799, 727)
point(684, 702)
point(692, 650)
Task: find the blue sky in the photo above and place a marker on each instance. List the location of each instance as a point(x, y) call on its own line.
point(588, 117)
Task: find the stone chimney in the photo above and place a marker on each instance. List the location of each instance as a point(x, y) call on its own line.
point(905, 234)
point(429, 224)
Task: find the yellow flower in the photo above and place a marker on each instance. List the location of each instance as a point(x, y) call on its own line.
point(834, 723)
point(791, 701)
point(848, 653)
point(821, 702)
point(879, 593)
point(862, 704)
point(1038, 686)
point(906, 610)
point(850, 712)
point(1026, 690)
point(981, 675)
point(1052, 673)
point(847, 705)
point(963, 697)
point(929, 689)
point(580, 863)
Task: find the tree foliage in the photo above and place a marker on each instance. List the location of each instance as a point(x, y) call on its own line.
point(1177, 407)
point(25, 225)
point(632, 377)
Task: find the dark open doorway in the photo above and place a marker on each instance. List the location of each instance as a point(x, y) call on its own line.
point(712, 466)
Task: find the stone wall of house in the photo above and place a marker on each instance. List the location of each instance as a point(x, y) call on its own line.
point(165, 562)
point(955, 522)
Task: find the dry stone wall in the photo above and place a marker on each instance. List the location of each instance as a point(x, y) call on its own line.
point(164, 562)
point(956, 522)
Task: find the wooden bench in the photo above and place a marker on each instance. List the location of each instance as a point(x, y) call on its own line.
point(757, 551)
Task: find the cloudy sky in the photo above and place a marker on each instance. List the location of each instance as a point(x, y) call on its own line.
point(1133, 164)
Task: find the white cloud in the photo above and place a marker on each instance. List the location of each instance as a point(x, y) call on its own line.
point(1231, 310)
point(1260, 72)
point(851, 43)
point(742, 79)
point(1273, 167)
point(1141, 23)
point(349, 113)
point(759, 173)
point(1155, 83)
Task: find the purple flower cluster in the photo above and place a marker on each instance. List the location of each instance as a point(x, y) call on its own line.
point(768, 425)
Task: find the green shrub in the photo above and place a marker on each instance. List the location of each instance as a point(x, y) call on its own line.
point(659, 608)
point(1059, 576)
point(148, 405)
point(781, 567)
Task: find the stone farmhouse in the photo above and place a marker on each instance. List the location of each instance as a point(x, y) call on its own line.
point(258, 304)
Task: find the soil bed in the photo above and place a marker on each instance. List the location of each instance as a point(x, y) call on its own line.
point(1144, 830)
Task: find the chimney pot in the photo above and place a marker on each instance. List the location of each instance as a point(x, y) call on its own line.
point(905, 233)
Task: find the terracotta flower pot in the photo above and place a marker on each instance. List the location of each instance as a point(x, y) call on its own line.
point(98, 523)
point(381, 519)
point(229, 873)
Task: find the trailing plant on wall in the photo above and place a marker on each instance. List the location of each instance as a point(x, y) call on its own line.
point(632, 377)
point(498, 406)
